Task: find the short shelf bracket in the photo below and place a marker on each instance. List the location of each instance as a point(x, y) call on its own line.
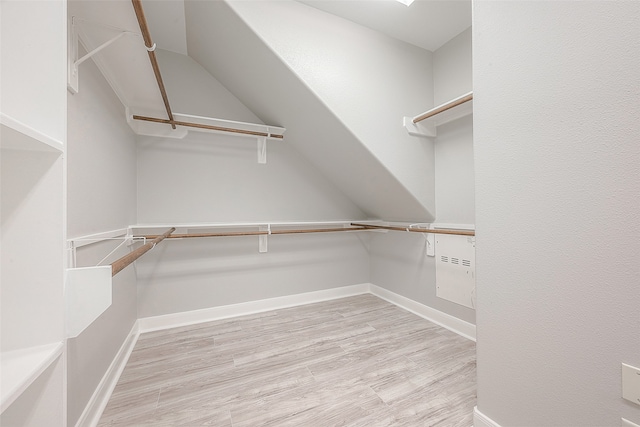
point(74, 61)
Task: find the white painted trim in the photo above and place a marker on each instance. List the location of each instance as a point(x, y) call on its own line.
point(462, 328)
point(156, 323)
point(481, 420)
point(93, 411)
point(90, 239)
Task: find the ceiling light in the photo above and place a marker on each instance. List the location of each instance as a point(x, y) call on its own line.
point(406, 2)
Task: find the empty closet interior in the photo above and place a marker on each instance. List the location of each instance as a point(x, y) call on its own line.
point(170, 163)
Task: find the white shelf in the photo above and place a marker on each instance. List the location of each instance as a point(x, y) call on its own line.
point(20, 368)
point(444, 113)
point(18, 136)
point(148, 128)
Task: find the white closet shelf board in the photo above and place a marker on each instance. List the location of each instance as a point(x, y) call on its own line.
point(18, 136)
point(149, 128)
point(427, 127)
point(20, 368)
point(201, 226)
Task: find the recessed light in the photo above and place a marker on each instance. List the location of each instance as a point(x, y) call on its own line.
point(406, 2)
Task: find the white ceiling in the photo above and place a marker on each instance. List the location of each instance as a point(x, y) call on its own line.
point(426, 23)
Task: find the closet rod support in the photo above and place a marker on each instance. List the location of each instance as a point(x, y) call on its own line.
point(128, 259)
point(74, 62)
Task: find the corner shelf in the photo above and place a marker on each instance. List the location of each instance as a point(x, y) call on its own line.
point(425, 124)
point(20, 368)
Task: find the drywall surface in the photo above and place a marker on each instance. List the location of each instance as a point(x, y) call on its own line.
point(39, 102)
point(191, 274)
point(455, 181)
point(454, 171)
point(101, 175)
point(342, 103)
point(399, 263)
point(209, 177)
point(557, 95)
point(367, 79)
point(452, 68)
point(192, 90)
point(216, 178)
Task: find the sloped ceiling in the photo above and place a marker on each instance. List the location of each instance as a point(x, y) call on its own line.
point(224, 44)
point(426, 23)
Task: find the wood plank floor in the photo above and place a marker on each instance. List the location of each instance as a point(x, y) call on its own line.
point(357, 361)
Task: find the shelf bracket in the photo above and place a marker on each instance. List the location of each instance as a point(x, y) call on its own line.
point(425, 130)
point(262, 150)
point(73, 61)
point(263, 238)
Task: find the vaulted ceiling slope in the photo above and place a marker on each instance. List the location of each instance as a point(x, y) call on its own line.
point(339, 88)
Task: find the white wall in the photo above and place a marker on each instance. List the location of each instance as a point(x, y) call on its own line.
point(101, 186)
point(215, 178)
point(198, 93)
point(183, 275)
point(454, 171)
point(557, 96)
point(399, 263)
point(209, 178)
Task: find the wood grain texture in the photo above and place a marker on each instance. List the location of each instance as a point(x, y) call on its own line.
point(356, 361)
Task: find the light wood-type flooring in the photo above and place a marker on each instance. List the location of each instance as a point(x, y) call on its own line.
point(356, 361)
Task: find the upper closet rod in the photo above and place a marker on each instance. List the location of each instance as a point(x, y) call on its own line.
point(123, 262)
point(259, 233)
point(466, 98)
point(418, 230)
point(209, 127)
point(151, 47)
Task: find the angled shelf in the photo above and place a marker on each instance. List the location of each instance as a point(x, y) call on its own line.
point(425, 124)
point(20, 368)
point(18, 136)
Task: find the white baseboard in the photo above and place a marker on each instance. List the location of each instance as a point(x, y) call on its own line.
point(93, 411)
point(481, 420)
point(156, 323)
point(460, 327)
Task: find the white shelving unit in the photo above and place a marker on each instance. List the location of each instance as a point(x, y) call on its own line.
point(32, 216)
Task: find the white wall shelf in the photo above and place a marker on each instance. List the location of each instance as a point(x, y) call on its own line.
point(20, 368)
point(18, 136)
point(425, 124)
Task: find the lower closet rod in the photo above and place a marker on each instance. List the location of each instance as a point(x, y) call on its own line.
point(123, 262)
point(259, 233)
point(418, 230)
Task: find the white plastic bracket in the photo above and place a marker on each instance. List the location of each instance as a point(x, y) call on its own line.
point(425, 130)
point(263, 238)
point(431, 243)
point(262, 149)
point(73, 61)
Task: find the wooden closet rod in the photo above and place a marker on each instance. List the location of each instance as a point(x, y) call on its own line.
point(123, 262)
point(418, 230)
point(151, 50)
point(444, 107)
point(257, 233)
point(209, 127)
